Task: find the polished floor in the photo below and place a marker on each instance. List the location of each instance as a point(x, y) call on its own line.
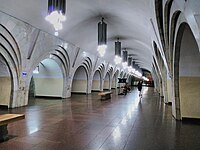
point(86, 123)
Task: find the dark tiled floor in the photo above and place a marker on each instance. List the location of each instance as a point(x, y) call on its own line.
point(85, 122)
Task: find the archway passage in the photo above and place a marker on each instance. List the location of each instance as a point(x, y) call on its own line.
point(159, 16)
point(186, 74)
point(114, 81)
point(106, 85)
point(80, 81)
point(5, 83)
point(48, 79)
point(96, 83)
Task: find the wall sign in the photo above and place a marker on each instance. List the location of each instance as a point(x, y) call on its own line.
point(24, 74)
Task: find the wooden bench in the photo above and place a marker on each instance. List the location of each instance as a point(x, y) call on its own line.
point(5, 119)
point(105, 95)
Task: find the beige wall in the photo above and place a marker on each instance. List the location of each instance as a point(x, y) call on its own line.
point(190, 97)
point(96, 85)
point(113, 83)
point(5, 89)
point(106, 84)
point(79, 86)
point(49, 87)
point(169, 90)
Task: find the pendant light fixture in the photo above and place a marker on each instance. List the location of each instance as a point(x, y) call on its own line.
point(125, 58)
point(133, 66)
point(130, 64)
point(102, 37)
point(56, 14)
point(118, 58)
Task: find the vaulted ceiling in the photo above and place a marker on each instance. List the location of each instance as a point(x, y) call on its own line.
point(127, 19)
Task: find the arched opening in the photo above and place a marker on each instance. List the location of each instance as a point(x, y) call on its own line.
point(186, 74)
point(114, 81)
point(47, 80)
point(106, 85)
point(80, 81)
point(5, 83)
point(172, 34)
point(96, 83)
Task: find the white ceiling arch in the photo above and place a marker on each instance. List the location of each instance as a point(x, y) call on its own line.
point(129, 20)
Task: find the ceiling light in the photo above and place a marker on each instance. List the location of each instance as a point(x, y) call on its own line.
point(124, 60)
point(56, 14)
point(102, 50)
point(102, 37)
point(130, 69)
point(129, 61)
point(125, 65)
point(118, 58)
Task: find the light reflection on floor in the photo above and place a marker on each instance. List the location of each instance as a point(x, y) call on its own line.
point(85, 122)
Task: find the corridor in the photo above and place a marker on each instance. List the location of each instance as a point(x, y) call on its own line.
point(85, 122)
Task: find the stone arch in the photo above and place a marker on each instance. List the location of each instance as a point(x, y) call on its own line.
point(10, 52)
point(163, 71)
point(101, 69)
point(174, 20)
point(158, 63)
point(10, 43)
point(159, 17)
point(55, 52)
point(86, 67)
point(110, 71)
point(106, 85)
point(158, 80)
point(96, 82)
point(50, 79)
point(87, 63)
point(80, 80)
point(115, 80)
point(167, 9)
point(61, 57)
point(186, 75)
point(6, 83)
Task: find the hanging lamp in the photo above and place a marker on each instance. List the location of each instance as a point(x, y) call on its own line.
point(125, 58)
point(102, 37)
point(118, 58)
point(56, 14)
